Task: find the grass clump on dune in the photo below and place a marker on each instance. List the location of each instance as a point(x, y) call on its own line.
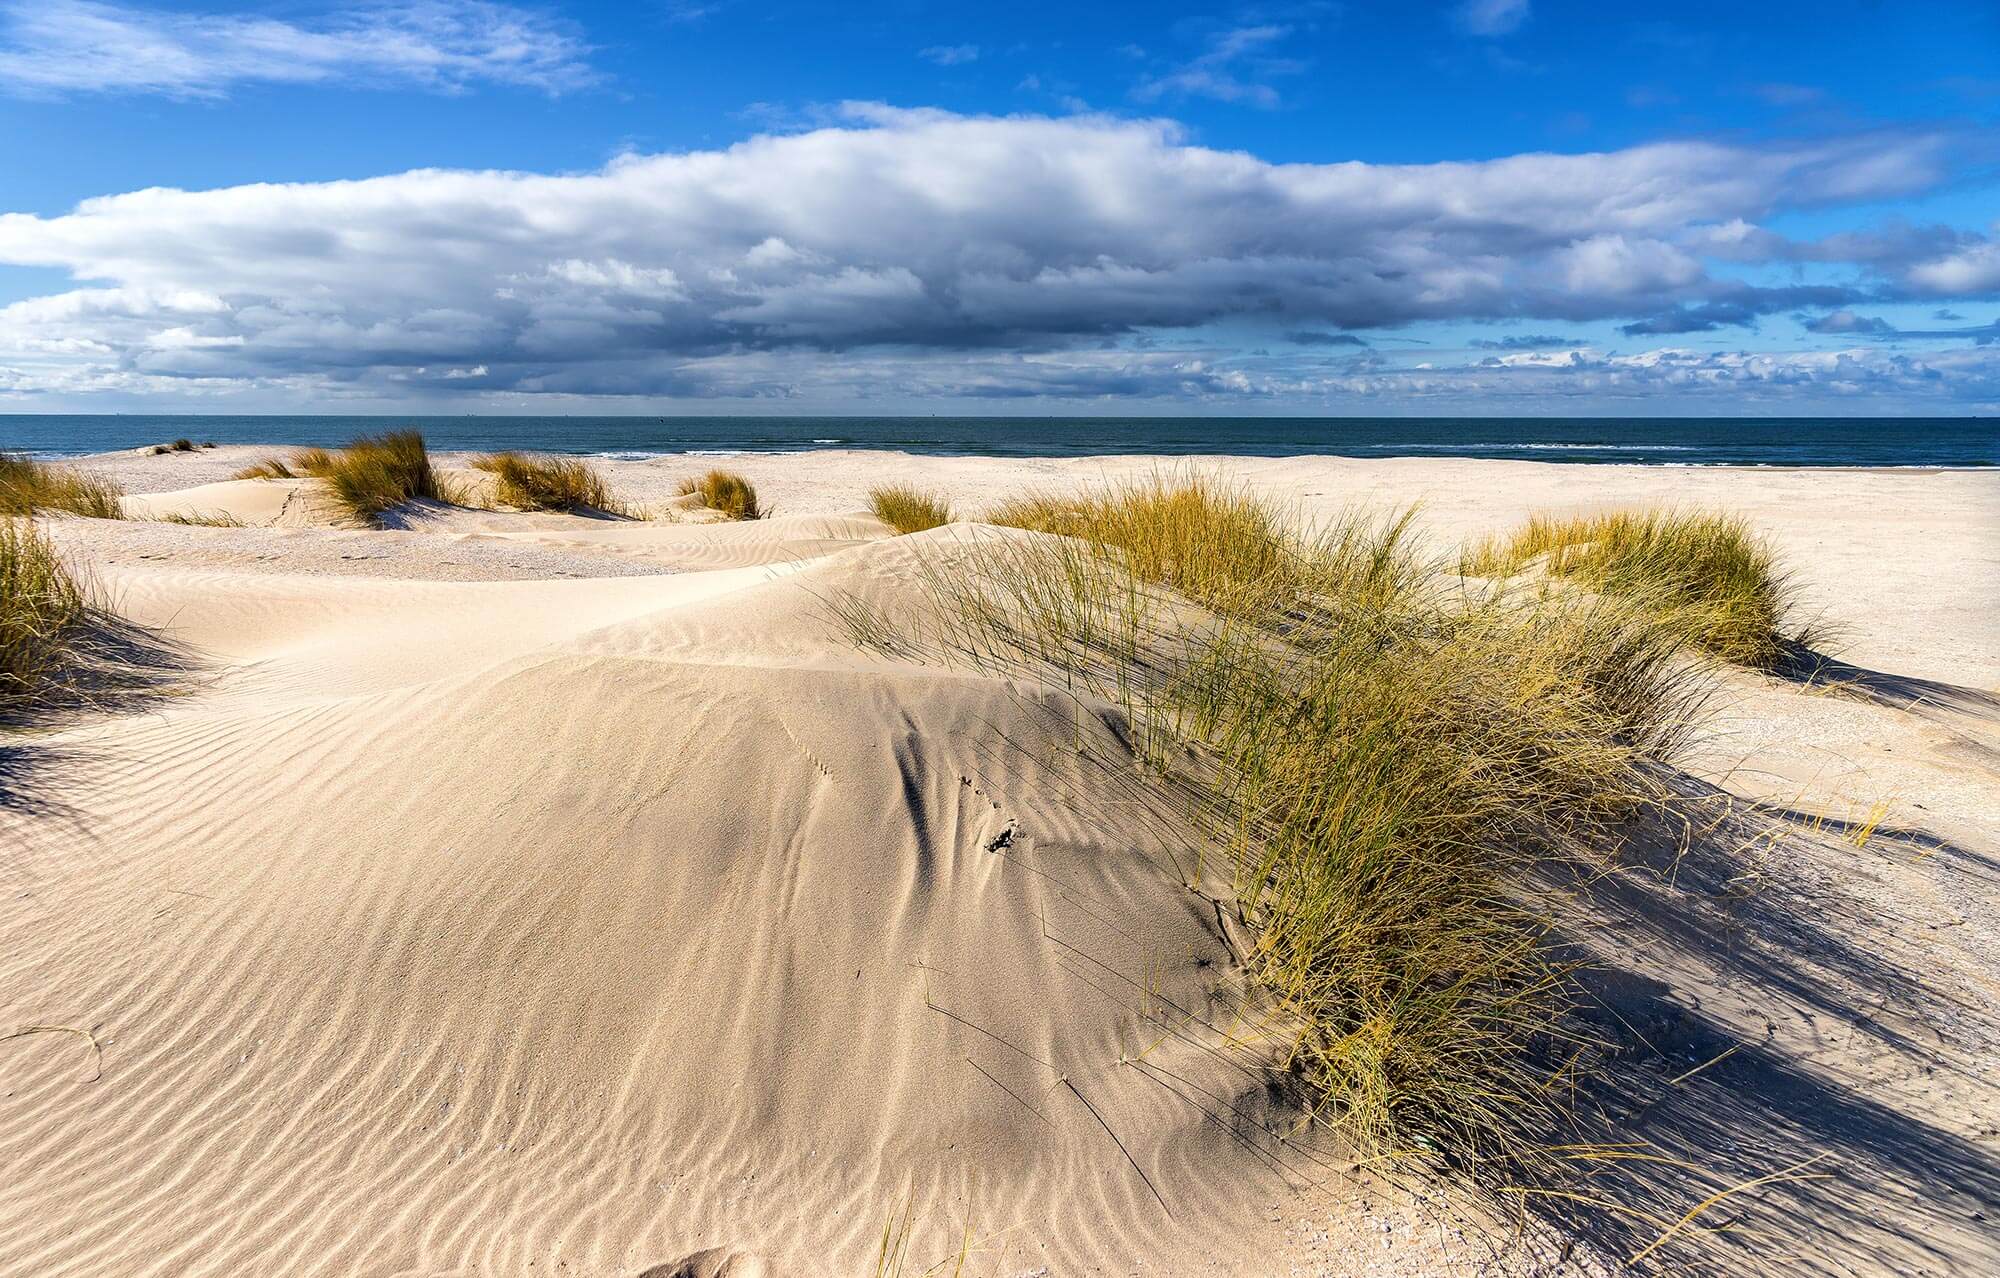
point(270, 468)
point(377, 472)
point(725, 491)
point(548, 483)
point(369, 476)
point(202, 519)
point(1385, 756)
point(312, 461)
point(307, 463)
point(1229, 552)
point(908, 509)
point(1706, 572)
point(304, 464)
point(42, 609)
point(59, 648)
point(1193, 533)
point(29, 487)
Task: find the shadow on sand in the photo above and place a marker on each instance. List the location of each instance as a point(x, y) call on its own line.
point(1756, 1021)
point(1812, 669)
point(115, 668)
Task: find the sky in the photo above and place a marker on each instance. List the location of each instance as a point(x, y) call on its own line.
point(1508, 207)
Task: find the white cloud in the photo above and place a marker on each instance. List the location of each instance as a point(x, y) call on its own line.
point(920, 245)
point(1972, 270)
point(1849, 322)
point(1232, 69)
point(1492, 17)
point(81, 46)
point(1953, 378)
point(950, 55)
point(1621, 266)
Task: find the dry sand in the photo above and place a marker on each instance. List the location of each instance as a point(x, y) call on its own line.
point(443, 916)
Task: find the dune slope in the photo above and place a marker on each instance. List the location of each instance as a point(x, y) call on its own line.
point(596, 927)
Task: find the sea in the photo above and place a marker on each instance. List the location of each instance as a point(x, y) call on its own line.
point(1655, 441)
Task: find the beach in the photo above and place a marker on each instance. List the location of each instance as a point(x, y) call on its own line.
point(1853, 534)
point(492, 891)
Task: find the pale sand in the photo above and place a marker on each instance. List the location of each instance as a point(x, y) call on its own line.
point(457, 919)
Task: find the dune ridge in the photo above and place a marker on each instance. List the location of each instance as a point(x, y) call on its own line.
point(642, 924)
point(389, 908)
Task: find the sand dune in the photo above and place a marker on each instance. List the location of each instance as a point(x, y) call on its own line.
point(453, 926)
point(638, 925)
point(260, 503)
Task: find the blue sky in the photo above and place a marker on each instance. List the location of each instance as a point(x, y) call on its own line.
point(1509, 206)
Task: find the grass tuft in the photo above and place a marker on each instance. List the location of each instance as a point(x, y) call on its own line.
point(908, 509)
point(1706, 572)
point(370, 475)
point(1199, 535)
point(312, 461)
point(1385, 755)
point(548, 483)
point(203, 519)
point(42, 609)
point(28, 487)
point(306, 463)
point(726, 491)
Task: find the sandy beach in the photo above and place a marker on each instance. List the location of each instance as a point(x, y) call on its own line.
point(531, 893)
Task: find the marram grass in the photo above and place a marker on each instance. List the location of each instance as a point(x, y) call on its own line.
point(202, 519)
point(30, 487)
point(371, 475)
point(1192, 533)
point(1705, 572)
point(548, 483)
point(42, 611)
point(1383, 759)
point(378, 472)
point(304, 464)
point(908, 509)
point(724, 491)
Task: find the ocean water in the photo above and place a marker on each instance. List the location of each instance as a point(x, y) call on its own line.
point(1675, 441)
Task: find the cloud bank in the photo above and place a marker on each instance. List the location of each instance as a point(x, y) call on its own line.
point(927, 254)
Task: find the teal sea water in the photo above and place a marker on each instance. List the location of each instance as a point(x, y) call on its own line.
point(1679, 441)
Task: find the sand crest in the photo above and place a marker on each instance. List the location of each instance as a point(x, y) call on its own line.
point(623, 921)
point(639, 924)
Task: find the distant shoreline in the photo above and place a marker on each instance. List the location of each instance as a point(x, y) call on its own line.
point(1168, 460)
point(1767, 443)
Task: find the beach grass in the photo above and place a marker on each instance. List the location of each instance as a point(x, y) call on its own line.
point(1386, 757)
point(1707, 572)
point(378, 472)
point(42, 610)
point(29, 487)
point(313, 461)
point(1216, 544)
point(528, 482)
point(724, 491)
point(202, 519)
point(369, 476)
point(907, 508)
point(304, 464)
point(269, 468)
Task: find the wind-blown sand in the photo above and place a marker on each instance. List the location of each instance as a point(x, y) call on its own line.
point(449, 917)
